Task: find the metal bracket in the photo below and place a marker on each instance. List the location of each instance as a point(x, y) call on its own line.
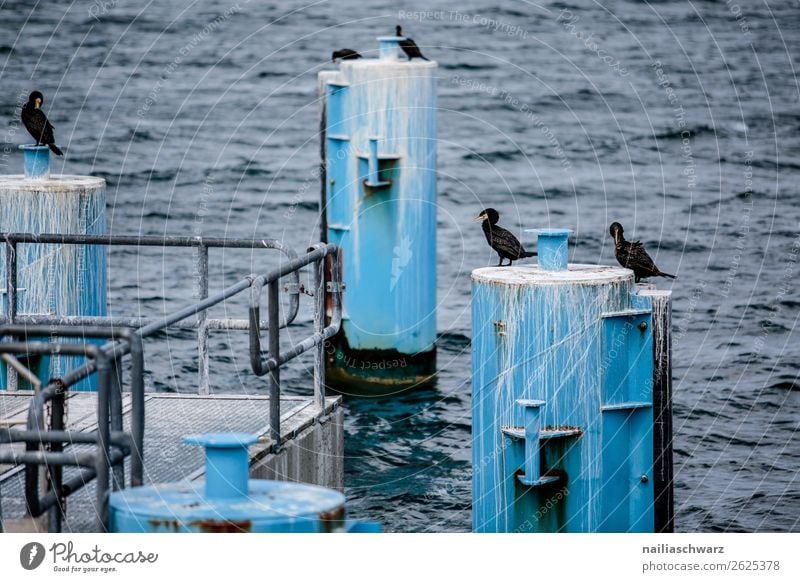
point(332, 287)
point(295, 289)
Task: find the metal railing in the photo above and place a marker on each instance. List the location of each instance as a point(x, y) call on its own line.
point(202, 324)
point(112, 444)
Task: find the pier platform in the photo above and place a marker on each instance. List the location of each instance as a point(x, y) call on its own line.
point(311, 451)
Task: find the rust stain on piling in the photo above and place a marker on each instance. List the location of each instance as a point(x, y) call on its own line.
point(222, 526)
point(171, 525)
point(203, 525)
point(333, 520)
point(564, 427)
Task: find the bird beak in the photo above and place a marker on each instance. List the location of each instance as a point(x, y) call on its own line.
point(479, 218)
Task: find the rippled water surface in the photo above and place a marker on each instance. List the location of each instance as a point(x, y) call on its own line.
point(678, 119)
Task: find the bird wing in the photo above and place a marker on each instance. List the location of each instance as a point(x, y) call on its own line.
point(34, 121)
point(505, 243)
point(636, 258)
point(47, 134)
point(410, 48)
point(345, 53)
point(38, 126)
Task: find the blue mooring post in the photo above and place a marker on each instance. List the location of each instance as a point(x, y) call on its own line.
point(562, 397)
point(379, 205)
point(552, 248)
point(51, 279)
point(35, 162)
point(228, 501)
point(227, 463)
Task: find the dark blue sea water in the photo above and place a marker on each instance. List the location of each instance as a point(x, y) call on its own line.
point(679, 119)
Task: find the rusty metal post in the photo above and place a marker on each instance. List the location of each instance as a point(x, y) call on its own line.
point(273, 295)
point(115, 406)
point(137, 410)
point(319, 327)
point(662, 410)
point(12, 377)
point(58, 511)
point(103, 437)
point(202, 328)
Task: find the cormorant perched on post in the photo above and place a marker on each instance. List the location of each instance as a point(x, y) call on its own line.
point(632, 255)
point(36, 123)
point(409, 46)
point(345, 54)
point(503, 242)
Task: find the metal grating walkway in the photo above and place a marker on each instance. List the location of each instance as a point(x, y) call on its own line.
point(168, 418)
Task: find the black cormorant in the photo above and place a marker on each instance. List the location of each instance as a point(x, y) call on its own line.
point(409, 46)
point(36, 123)
point(503, 242)
point(345, 54)
point(632, 255)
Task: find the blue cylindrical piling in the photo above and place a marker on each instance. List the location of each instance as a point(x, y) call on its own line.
point(228, 501)
point(562, 397)
point(379, 155)
point(53, 279)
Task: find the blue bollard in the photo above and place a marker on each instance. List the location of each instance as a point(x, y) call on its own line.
point(53, 279)
point(389, 47)
point(562, 397)
point(552, 248)
point(36, 162)
point(229, 502)
point(380, 208)
point(227, 463)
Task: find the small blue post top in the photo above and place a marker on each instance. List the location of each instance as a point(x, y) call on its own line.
point(35, 161)
point(222, 440)
point(552, 248)
point(388, 46)
point(227, 462)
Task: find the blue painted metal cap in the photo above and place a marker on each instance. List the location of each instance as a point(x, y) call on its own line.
point(270, 506)
point(227, 462)
point(35, 162)
point(388, 46)
point(552, 248)
point(228, 501)
point(222, 440)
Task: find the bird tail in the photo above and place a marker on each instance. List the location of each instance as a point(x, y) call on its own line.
point(424, 58)
point(55, 149)
point(528, 254)
point(662, 274)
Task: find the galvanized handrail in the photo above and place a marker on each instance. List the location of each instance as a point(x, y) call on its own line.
point(321, 333)
point(109, 413)
point(202, 324)
point(113, 445)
